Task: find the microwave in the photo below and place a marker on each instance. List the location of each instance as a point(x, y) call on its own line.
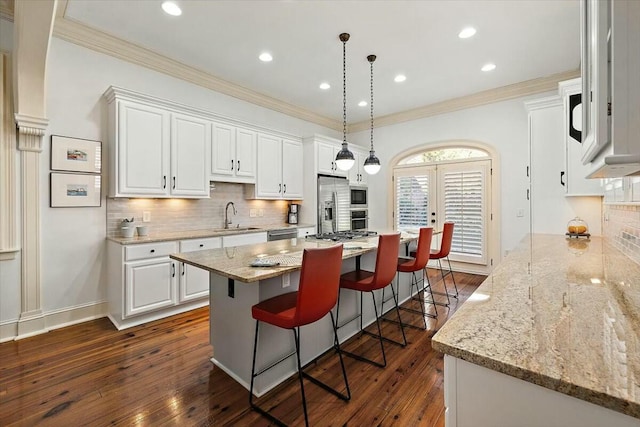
point(358, 197)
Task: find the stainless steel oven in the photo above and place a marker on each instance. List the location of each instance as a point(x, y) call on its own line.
point(359, 219)
point(358, 197)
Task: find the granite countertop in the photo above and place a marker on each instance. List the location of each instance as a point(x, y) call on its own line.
point(199, 234)
point(234, 262)
point(557, 312)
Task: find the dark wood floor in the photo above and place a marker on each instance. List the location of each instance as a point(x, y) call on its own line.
point(160, 374)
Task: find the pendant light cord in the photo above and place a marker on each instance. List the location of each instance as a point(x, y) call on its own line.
point(344, 91)
point(371, 62)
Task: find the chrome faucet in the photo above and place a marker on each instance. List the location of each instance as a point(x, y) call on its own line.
point(227, 221)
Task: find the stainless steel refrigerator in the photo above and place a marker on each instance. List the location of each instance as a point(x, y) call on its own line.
point(334, 202)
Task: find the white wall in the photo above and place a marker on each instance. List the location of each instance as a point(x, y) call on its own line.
point(73, 240)
point(501, 125)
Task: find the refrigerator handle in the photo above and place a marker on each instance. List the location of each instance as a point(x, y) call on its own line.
point(335, 211)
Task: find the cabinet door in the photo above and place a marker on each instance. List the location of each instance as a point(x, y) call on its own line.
point(223, 148)
point(357, 175)
point(194, 281)
point(243, 239)
point(143, 150)
point(269, 164)
point(292, 169)
point(326, 156)
point(149, 285)
point(190, 141)
point(246, 153)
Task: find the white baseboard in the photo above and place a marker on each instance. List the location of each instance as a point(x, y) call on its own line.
point(56, 319)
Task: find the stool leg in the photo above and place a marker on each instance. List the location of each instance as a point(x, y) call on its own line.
point(296, 337)
point(379, 336)
point(395, 299)
point(428, 285)
point(453, 279)
point(444, 282)
point(344, 371)
point(253, 365)
point(420, 293)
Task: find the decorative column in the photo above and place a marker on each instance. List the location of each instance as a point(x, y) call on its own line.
point(8, 224)
point(33, 26)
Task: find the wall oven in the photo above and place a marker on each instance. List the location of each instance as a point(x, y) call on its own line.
point(359, 219)
point(358, 197)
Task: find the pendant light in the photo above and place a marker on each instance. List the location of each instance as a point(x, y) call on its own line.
point(344, 158)
point(372, 164)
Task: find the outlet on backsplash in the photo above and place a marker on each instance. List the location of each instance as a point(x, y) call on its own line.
point(252, 213)
point(146, 216)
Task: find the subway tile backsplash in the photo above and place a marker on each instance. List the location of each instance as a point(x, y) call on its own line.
point(622, 228)
point(199, 214)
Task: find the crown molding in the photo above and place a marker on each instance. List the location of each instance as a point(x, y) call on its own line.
point(504, 93)
point(542, 103)
point(102, 42)
point(6, 10)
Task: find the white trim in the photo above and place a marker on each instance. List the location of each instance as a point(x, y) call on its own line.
point(542, 103)
point(56, 319)
point(82, 35)
point(8, 228)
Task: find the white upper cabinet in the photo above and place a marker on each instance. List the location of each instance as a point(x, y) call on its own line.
point(141, 151)
point(611, 78)
point(190, 141)
point(357, 174)
point(279, 168)
point(326, 158)
point(156, 151)
point(575, 180)
point(233, 154)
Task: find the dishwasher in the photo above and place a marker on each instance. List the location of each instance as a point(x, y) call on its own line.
point(282, 234)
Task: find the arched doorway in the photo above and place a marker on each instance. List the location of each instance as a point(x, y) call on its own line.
point(452, 181)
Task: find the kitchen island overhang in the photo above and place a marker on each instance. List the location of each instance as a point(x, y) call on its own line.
point(235, 287)
point(553, 333)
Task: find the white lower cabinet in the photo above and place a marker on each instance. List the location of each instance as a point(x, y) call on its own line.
point(194, 282)
point(149, 285)
point(243, 239)
point(144, 284)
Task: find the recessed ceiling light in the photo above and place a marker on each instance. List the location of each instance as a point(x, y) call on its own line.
point(467, 32)
point(324, 86)
point(400, 78)
point(265, 57)
point(488, 67)
point(171, 8)
point(362, 104)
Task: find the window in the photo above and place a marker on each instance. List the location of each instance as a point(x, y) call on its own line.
point(434, 187)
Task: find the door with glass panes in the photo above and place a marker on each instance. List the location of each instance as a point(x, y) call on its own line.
point(430, 195)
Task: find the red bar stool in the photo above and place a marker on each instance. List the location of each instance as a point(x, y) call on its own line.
point(415, 264)
point(317, 294)
point(367, 281)
point(445, 248)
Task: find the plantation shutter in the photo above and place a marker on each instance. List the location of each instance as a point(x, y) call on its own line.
point(464, 203)
point(412, 189)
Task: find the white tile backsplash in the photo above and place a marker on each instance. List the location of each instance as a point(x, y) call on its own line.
point(196, 214)
point(622, 228)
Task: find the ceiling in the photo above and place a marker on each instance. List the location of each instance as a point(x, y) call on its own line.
point(525, 39)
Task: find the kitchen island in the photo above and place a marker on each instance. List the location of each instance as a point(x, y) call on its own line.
point(551, 338)
point(235, 287)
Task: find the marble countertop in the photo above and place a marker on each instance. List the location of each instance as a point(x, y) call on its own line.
point(557, 312)
point(199, 234)
point(234, 262)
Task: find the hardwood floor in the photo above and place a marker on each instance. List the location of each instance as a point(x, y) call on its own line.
point(159, 374)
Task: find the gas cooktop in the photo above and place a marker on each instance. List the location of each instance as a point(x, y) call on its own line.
point(341, 236)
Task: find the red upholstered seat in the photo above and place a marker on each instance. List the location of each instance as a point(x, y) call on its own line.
point(317, 294)
point(445, 246)
point(420, 255)
point(368, 281)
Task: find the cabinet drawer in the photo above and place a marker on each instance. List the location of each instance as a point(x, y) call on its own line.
point(200, 244)
point(149, 250)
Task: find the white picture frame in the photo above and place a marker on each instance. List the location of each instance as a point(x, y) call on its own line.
point(69, 190)
point(75, 155)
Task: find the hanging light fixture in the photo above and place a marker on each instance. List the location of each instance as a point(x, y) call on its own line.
point(372, 164)
point(344, 158)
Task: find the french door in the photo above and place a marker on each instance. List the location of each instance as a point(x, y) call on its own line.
point(430, 195)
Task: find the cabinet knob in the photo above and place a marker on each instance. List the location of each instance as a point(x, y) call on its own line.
point(202, 245)
point(152, 251)
point(285, 188)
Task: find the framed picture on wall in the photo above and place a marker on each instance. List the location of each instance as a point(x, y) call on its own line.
point(75, 155)
point(69, 190)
